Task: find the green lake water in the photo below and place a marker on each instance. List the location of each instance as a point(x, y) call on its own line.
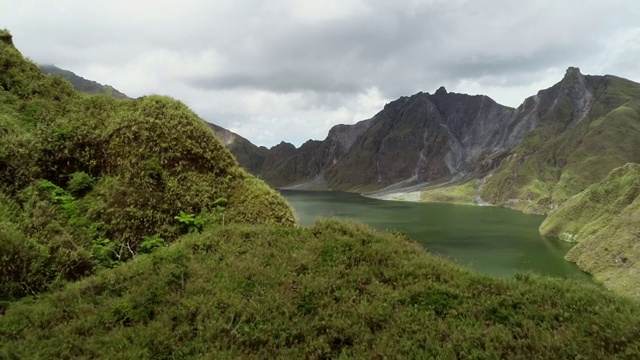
point(492, 240)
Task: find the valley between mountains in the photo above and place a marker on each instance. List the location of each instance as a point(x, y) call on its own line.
point(469, 149)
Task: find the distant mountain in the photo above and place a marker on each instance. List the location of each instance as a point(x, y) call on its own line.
point(306, 166)
point(285, 165)
point(426, 138)
point(532, 158)
point(81, 84)
point(249, 156)
point(586, 126)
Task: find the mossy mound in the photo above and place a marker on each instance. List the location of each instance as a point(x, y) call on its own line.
point(605, 222)
point(334, 290)
point(84, 180)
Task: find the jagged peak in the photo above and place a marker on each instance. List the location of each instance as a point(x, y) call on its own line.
point(283, 144)
point(572, 73)
point(573, 70)
point(441, 91)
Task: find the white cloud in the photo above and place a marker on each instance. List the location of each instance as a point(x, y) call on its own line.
point(290, 69)
point(326, 10)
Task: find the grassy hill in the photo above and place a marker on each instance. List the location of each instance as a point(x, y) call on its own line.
point(604, 221)
point(334, 290)
point(89, 181)
point(128, 231)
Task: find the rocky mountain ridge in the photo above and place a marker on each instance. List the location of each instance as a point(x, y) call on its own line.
point(586, 126)
point(428, 139)
point(532, 158)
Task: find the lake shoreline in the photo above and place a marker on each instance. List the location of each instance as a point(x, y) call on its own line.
point(493, 240)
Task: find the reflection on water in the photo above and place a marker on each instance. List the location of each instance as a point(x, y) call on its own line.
point(493, 240)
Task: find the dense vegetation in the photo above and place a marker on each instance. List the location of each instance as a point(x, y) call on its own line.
point(334, 290)
point(605, 222)
point(86, 181)
point(128, 231)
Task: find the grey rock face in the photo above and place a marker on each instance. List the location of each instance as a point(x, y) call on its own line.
point(575, 93)
point(338, 142)
point(427, 138)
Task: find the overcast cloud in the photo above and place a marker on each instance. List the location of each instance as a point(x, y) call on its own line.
point(290, 69)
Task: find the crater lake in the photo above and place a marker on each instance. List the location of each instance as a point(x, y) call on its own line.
point(492, 240)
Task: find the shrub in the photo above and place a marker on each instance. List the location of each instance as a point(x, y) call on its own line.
point(80, 183)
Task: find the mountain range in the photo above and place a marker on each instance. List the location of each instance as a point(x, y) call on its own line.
point(532, 158)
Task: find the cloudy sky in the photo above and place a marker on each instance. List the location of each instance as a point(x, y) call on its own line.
point(290, 69)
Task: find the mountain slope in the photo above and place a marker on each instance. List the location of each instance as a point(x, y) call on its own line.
point(250, 157)
point(426, 138)
point(81, 84)
point(330, 291)
point(604, 220)
point(309, 162)
point(284, 164)
point(532, 158)
point(592, 127)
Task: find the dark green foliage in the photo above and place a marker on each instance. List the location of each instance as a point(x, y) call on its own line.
point(24, 265)
point(80, 183)
point(190, 222)
point(151, 242)
point(334, 290)
point(88, 178)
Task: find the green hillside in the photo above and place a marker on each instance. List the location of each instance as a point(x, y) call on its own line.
point(334, 290)
point(604, 220)
point(89, 181)
point(558, 160)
